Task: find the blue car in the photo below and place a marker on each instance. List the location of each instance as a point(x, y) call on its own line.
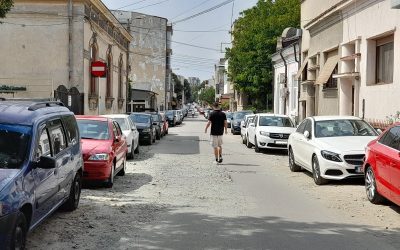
point(40, 166)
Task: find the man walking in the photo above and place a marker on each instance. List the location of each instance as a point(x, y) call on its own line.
point(217, 120)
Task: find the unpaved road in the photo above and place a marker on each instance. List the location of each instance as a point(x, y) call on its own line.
point(175, 197)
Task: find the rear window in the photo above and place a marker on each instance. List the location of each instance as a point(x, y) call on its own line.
point(90, 129)
point(137, 118)
point(122, 123)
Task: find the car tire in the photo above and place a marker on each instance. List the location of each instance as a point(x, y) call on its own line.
point(110, 181)
point(154, 139)
point(131, 155)
point(292, 163)
point(74, 194)
point(158, 135)
point(123, 169)
point(256, 148)
point(17, 237)
point(244, 139)
point(137, 150)
point(316, 172)
point(370, 187)
point(248, 143)
point(166, 132)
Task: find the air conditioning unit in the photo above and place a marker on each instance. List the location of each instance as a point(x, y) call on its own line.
point(284, 92)
point(281, 78)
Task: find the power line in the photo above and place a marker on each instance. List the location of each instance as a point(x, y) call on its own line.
point(204, 11)
point(190, 9)
point(201, 31)
point(151, 5)
point(129, 5)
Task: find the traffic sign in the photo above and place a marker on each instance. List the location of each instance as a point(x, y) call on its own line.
point(99, 69)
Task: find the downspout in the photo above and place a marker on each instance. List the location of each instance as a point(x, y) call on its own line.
point(128, 69)
point(299, 83)
point(285, 83)
point(298, 87)
point(70, 44)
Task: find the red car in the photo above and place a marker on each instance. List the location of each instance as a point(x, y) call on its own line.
point(165, 124)
point(104, 149)
point(382, 167)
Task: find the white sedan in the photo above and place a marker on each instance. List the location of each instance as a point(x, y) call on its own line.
point(269, 131)
point(244, 125)
point(330, 147)
point(130, 131)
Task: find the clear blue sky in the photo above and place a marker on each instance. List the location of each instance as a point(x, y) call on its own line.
point(190, 61)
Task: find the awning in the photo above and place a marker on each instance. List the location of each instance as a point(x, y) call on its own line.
point(327, 70)
point(303, 66)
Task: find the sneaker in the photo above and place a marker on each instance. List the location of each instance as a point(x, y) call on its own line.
point(220, 159)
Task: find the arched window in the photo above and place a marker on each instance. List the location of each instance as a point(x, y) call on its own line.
point(109, 75)
point(120, 78)
point(93, 57)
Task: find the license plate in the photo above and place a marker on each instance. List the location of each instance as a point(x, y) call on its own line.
point(358, 169)
point(281, 142)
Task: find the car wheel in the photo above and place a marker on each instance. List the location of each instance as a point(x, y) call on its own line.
point(244, 139)
point(158, 135)
point(166, 132)
point(123, 170)
point(370, 187)
point(256, 148)
point(137, 149)
point(316, 171)
point(74, 194)
point(131, 155)
point(292, 163)
point(17, 238)
point(248, 143)
point(154, 139)
point(110, 181)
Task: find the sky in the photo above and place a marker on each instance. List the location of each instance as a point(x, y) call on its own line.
point(191, 61)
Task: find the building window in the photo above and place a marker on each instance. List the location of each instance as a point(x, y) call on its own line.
point(384, 60)
point(109, 76)
point(120, 78)
point(332, 82)
point(93, 57)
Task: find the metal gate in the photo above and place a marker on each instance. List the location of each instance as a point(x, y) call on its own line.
point(71, 99)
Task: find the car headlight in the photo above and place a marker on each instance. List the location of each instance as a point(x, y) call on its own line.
point(99, 157)
point(330, 156)
point(146, 130)
point(264, 133)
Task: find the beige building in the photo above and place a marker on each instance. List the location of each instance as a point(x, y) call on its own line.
point(350, 58)
point(47, 48)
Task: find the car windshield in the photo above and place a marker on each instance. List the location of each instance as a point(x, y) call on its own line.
point(240, 115)
point(156, 118)
point(335, 128)
point(137, 118)
point(169, 113)
point(91, 129)
point(14, 144)
point(275, 121)
point(229, 115)
point(122, 123)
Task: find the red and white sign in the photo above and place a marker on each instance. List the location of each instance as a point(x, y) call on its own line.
point(99, 69)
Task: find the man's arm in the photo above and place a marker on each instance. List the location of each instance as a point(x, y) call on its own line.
point(226, 126)
point(207, 126)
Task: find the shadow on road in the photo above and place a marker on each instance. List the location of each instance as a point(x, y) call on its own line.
point(175, 144)
point(129, 182)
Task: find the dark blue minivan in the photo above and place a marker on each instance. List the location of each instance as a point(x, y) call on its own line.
point(40, 166)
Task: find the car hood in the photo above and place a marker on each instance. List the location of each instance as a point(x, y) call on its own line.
point(280, 130)
point(344, 143)
point(142, 125)
point(90, 146)
point(6, 175)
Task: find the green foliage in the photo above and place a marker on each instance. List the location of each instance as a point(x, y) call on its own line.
point(178, 87)
point(188, 91)
point(255, 36)
point(207, 95)
point(5, 6)
point(225, 106)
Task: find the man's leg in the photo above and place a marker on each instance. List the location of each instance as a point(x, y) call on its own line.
point(216, 153)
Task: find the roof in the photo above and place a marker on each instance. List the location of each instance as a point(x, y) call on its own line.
point(337, 117)
point(92, 117)
point(27, 112)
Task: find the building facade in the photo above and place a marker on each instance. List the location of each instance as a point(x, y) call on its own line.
point(150, 52)
point(56, 42)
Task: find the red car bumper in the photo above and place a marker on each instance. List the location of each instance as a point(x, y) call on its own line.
point(97, 171)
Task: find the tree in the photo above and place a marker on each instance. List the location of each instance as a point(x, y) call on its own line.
point(207, 95)
point(188, 90)
point(5, 6)
point(255, 35)
point(178, 87)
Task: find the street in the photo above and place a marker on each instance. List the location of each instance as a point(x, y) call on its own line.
point(174, 196)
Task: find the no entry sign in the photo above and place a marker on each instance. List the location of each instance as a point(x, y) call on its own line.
point(99, 69)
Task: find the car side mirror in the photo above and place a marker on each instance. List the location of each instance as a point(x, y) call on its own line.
point(379, 131)
point(306, 134)
point(231, 118)
point(46, 162)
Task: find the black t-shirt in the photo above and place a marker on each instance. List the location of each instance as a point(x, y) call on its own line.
point(217, 118)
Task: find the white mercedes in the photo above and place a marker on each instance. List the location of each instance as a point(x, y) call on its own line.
point(330, 147)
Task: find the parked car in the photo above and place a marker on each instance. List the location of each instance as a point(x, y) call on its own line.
point(330, 147)
point(104, 149)
point(40, 166)
point(269, 131)
point(207, 113)
point(382, 167)
point(130, 131)
point(179, 116)
point(172, 117)
point(243, 131)
point(229, 116)
point(165, 124)
point(237, 119)
point(158, 124)
point(144, 124)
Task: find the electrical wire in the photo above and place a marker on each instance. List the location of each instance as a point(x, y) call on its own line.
point(129, 5)
point(151, 5)
point(200, 4)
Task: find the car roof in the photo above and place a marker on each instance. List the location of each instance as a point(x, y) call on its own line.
point(140, 113)
point(271, 114)
point(336, 117)
point(92, 117)
point(116, 116)
point(27, 112)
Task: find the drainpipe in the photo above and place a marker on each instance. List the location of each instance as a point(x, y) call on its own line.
point(128, 69)
point(70, 44)
point(298, 64)
point(285, 83)
point(299, 83)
